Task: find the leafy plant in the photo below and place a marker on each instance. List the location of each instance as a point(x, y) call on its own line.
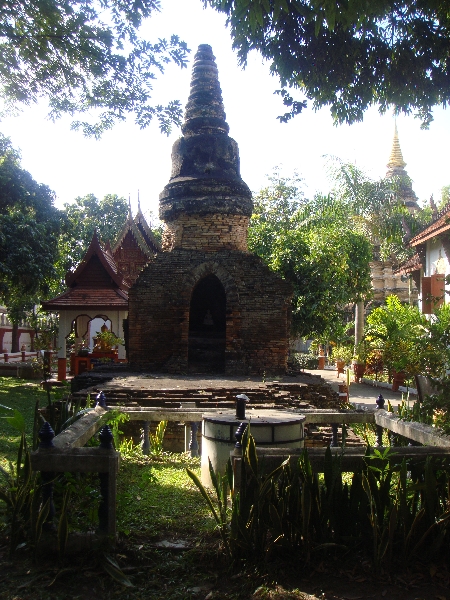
point(20, 491)
point(343, 353)
point(108, 339)
point(157, 439)
point(293, 508)
point(114, 418)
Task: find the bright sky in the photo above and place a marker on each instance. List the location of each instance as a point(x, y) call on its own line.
point(127, 159)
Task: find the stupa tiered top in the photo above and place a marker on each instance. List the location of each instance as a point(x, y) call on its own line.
point(205, 180)
point(396, 169)
point(396, 161)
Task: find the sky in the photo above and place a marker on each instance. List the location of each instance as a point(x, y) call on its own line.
point(128, 159)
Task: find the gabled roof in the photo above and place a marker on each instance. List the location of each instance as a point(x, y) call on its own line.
point(409, 266)
point(440, 225)
point(106, 260)
point(141, 232)
point(145, 230)
point(95, 283)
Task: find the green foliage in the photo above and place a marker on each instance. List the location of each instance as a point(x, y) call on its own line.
point(29, 229)
point(20, 493)
point(304, 361)
point(376, 209)
point(114, 418)
point(406, 340)
point(109, 338)
point(344, 353)
point(292, 509)
point(445, 197)
point(23, 396)
point(157, 439)
point(348, 55)
point(86, 58)
point(83, 217)
point(313, 244)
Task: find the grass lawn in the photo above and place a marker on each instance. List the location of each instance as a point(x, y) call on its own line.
point(21, 395)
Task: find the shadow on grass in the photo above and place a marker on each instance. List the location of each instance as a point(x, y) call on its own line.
point(155, 499)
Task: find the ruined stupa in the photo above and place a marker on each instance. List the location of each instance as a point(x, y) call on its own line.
point(205, 303)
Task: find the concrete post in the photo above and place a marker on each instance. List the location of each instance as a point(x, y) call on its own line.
point(359, 321)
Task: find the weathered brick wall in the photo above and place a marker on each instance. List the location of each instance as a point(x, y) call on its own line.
point(210, 232)
point(257, 312)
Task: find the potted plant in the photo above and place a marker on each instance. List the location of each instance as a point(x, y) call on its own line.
point(359, 360)
point(342, 356)
point(106, 340)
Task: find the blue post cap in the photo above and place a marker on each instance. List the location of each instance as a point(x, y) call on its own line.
point(380, 401)
point(101, 400)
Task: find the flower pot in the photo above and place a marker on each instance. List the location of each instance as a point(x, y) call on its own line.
point(358, 370)
point(398, 380)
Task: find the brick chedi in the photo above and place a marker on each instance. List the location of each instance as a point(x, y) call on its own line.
point(205, 303)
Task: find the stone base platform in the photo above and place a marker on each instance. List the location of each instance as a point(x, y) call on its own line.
point(158, 390)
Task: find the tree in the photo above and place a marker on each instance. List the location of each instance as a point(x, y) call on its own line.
point(82, 217)
point(85, 57)
point(376, 209)
point(349, 55)
point(445, 196)
point(29, 230)
point(312, 244)
point(397, 331)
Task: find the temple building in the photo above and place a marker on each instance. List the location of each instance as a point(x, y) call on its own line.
point(205, 303)
point(97, 294)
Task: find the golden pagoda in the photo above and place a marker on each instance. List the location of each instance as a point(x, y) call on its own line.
point(396, 170)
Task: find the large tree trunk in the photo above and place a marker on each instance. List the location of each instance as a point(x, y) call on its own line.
point(15, 338)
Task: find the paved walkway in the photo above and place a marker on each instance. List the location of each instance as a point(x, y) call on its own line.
point(361, 393)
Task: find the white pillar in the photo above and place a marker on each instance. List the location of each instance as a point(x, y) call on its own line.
point(359, 321)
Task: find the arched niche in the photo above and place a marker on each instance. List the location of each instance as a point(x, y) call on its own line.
point(207, 326)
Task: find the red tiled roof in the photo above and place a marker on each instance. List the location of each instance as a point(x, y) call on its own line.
point(86, 297)
point(95, 283)
point(409, 266)
point(440, 225)
point(108, 268)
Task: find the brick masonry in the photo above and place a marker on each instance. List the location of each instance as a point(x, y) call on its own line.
point(257, 312)
point(205, 302)
point(207, 232)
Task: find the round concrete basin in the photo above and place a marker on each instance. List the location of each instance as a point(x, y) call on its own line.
point(270, 428)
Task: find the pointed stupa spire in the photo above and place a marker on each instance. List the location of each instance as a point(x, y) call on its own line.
point(205, 175)
point(204, 110)
point(396, 170)
point(396, 156)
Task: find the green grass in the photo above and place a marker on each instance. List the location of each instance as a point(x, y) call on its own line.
point(159, 499)
point(22, 395)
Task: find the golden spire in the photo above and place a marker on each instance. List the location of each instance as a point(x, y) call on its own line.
point(396, 157)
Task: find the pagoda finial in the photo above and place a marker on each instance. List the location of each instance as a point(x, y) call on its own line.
point(396, 157)
point(130, 214)
point(139, 203)
point(204, 110)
